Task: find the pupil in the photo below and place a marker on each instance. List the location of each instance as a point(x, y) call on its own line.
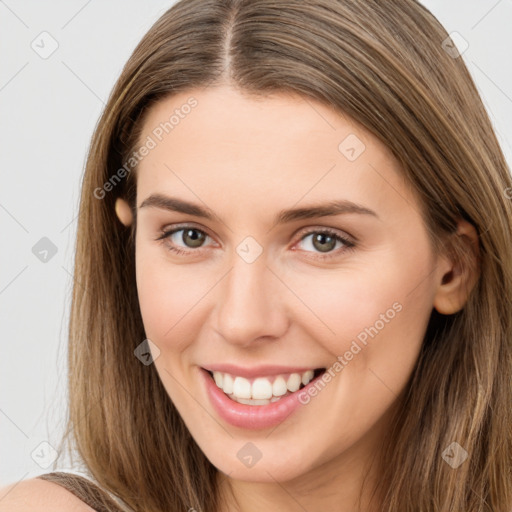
point(323, 238)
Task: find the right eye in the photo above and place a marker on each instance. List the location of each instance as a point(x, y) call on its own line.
point(191, 237)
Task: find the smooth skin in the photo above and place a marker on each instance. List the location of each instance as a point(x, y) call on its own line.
point(246, 159)
point(300, 303)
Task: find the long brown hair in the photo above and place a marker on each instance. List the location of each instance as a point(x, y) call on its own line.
point(385, 65)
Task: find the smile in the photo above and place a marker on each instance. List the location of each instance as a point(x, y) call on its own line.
point(261, 397)
point(262, 390)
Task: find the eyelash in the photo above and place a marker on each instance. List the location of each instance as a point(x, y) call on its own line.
point(349, 245)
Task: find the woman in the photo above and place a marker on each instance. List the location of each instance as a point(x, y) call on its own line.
point(293, 269)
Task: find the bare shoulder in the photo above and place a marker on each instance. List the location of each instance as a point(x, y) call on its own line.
point(36, 494)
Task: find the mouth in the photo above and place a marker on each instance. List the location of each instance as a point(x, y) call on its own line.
point(262, 390)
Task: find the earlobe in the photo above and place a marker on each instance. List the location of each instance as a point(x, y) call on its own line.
point(460, 272)
point(124, 212)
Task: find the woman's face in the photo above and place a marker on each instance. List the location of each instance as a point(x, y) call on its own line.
point(301, 247)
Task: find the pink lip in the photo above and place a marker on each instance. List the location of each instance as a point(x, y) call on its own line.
point(251, 416)
point(256, 371)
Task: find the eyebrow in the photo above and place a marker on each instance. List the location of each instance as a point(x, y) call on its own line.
point(328, 209)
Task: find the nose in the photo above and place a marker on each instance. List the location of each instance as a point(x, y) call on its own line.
point(251, 307)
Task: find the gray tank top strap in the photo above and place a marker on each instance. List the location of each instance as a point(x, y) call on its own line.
point(85, 490)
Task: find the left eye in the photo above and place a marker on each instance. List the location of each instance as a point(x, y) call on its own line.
point(325, 241)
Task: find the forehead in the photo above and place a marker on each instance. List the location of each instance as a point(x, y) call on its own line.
point(281, 146)
point(222, 115)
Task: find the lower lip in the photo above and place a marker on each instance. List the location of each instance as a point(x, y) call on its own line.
point(252, 416)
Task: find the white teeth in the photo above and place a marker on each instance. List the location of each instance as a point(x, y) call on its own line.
point(279, 387)
point(307, 376)
point(262, 390)
point(227, 384)
point(248, 401)
point(218, 378)
point(293, 382)
point(241, 388)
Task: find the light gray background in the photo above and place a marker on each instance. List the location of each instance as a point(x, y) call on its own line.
point(48, 110)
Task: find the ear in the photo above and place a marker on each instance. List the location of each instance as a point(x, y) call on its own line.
point(458, 270)
point(124, 212)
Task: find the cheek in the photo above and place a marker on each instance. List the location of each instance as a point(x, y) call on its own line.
point(373, 316)
point(169, 296)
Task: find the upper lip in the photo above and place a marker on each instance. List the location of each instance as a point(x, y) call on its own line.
point(257, 371)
